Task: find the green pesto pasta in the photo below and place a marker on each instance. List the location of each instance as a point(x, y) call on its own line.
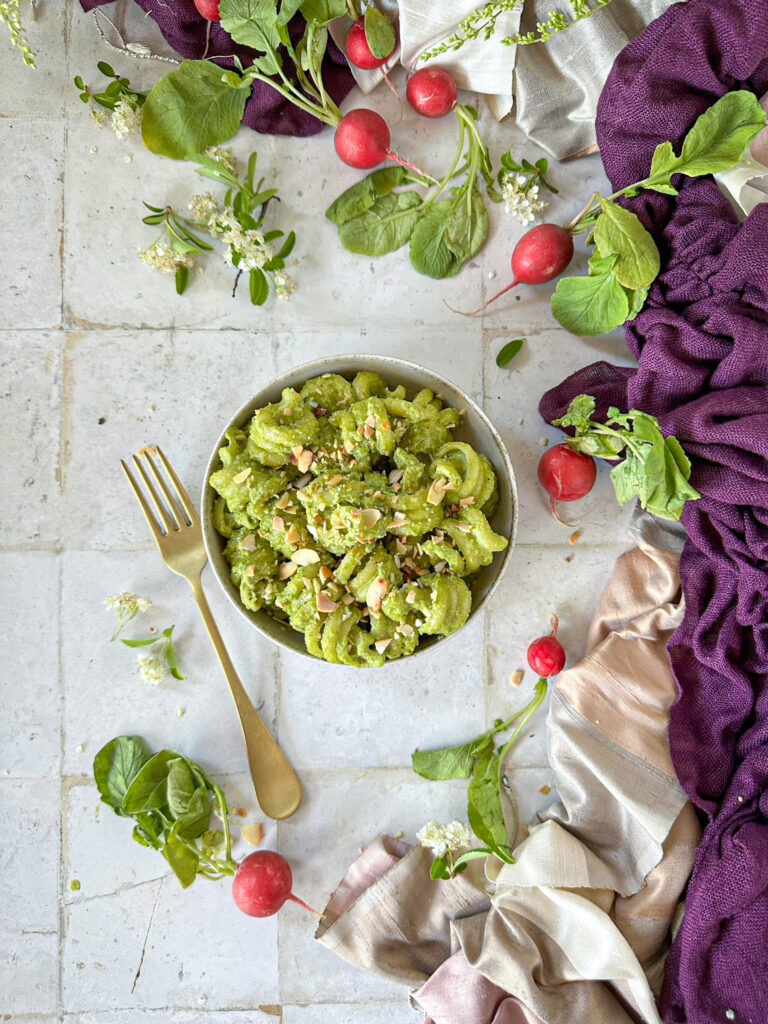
point(352, 514)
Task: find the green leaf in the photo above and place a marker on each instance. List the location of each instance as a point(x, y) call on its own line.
point(627, 478)
point(465, 858)
point(590, 305)
point(252, 23)
point(140, 642)
point(287, 247)
point(197, 817)
point(170, 652)
point(148, 830)
point(258, 287)
point(363, 194)
point(636, 298)
point(578, 414)
point(379, 33)
point(106, 69)
point(617, 231)
point(662, 168)
point(720, 135)
point(508, 352)
point(183, 861)
point(180, 785)
point(190, 109)
point(452, 762)
point(384, 227)
point(484, 808)
point(116, 766)
point(149, 789)
point(323, 10)
point(79, 82)
point(287, 10)
point(439, 869)
point(429, 252)
point(466, 228)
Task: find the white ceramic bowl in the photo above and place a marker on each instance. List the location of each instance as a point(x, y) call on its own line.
point(475, 428)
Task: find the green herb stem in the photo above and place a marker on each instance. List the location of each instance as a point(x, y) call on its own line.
point(527, 712)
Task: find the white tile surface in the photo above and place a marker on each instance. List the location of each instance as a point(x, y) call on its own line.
point(29, 824)
point(98, 356)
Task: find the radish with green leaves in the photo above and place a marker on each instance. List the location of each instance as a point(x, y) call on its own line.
point(359, 52)
point(431, 92)
point(263, 883)
point(542, 254)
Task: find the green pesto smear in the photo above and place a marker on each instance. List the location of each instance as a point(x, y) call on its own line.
point(352, 514)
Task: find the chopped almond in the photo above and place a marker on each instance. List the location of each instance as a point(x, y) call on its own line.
point(410, 597)
point(467, 501)
point(305, 556)
point(250, 570)
point(297, 450)
point(405, 628)
point(305, 460)
point(368, 431)
point(278, 524)
point(284, 499)
point(464, 527)
point(349, 447)
point(238, 478)
point(286, 569)
point(248, 543)
point(302, 481)
point(325, 573)
point(252, 834)
point(293, 536)
point(437, 490)
point(376, 593)
point(370, 517)
point(325, 604)
point(336, 479)
point(382, 645)
point(517, 677)
point(395, 475)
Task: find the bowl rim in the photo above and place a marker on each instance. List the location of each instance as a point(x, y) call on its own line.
point(314, 368)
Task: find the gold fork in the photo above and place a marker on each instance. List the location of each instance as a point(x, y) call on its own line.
point(179, 536)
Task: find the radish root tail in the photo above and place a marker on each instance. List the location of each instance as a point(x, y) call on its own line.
point(397, 96)
point(411, 167)
point(562, 522)
point(305, 905)
point(485, 305)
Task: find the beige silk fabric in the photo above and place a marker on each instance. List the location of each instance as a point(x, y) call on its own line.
point(576, 931)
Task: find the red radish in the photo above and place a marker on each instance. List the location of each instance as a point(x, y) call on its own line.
point(362, 140)
point(546, 655)
point(541, 254)
point(359, 52)
point(566, 475)
point(431, 92)
point(208, 8)
point(262, 884)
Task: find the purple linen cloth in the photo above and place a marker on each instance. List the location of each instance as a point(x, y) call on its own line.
point(702, 347)
point(183, 27)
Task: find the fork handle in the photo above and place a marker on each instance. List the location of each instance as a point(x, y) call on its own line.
point(278, 790)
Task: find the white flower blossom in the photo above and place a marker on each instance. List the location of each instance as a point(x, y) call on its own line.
point(223, 155)
point(99, 116)
point(205, 209)
point(152, 669)
point(248, 244)
point(285, 286)
point(442, 839)
point(126, 119)
point(128, 606)
point(160, 256)
point(521, 200)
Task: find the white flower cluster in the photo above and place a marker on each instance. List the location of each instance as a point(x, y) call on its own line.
point(126, 119)
point(520, 198)
point(285, 286)
point(152, 670)
point(128, 603)
point(205, 210)
point(160, 256)
point(248, 243)
point(223, 155)
point(442, 839)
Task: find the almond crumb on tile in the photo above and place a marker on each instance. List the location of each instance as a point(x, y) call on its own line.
point(180, 712)
point(252, 834)
point(544, 789)
point(574, 536)
point(569, 558)
point(399, 834)
point(149, 450)
point(517, 677)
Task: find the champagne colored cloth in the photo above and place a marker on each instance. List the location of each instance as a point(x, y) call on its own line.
point(702, 346)
point(576, 930)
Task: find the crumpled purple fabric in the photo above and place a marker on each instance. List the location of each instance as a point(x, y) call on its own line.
point(702, 347)
point(183, 27)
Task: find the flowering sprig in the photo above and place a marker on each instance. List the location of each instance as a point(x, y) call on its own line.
point(10, 15)
point(557, 22)
point(128, 606)
point(520, 184)
point(236, 222)
point(118, 97)
point(154, 668)
point(444, 841)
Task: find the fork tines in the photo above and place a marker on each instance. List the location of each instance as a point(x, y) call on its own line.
point(175, 510)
